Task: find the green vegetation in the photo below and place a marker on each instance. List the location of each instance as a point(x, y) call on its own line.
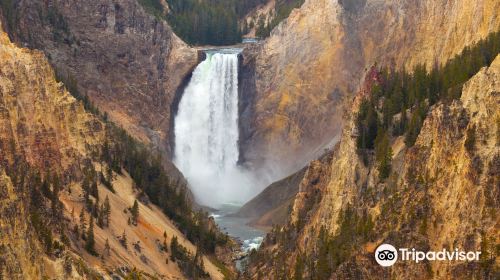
point(191, 266)
point(71, 85)
point(401, 96)
point(43, 205)
point(383, 154)
point(104, 213)
point(212, 22)
point(126, 153)
point(90, 242)
point(215, 22)
point(330, 250)
point(60, 30)
point(83, 224)
point(334, 250)
point(122, 152)
point(135, 212)
point(397, 106)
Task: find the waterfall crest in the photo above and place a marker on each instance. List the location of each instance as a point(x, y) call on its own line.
point(206, 132)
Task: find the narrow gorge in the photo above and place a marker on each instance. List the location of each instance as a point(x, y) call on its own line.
point(249, 139)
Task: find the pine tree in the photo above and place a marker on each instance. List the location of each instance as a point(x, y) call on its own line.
point(109, 173)
point(174, 246)
point(86, 189)
point(323, 268)
point(83, 224)
point(367, 123)
point(90, 242)
point(100, 216)
point(94, 191)
point(107, 248)
point(107, 211)
point(413, 129)
point(165, 248)
point(383, 154)
point(47, 238)
point(135, 212)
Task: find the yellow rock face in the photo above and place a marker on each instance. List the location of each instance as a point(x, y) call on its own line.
point(20, 254)
point(317, 57)
point(43, 124)
point(39, 119)
point(439, 195)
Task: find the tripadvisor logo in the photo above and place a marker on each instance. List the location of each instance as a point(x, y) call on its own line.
point(387, 255)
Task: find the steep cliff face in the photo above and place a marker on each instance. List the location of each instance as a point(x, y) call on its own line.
point(314, 59)
point(443, 193)
point(125, 60)
point(20, 253)
point(45, 133)
point(42, 125)
point(40, 121)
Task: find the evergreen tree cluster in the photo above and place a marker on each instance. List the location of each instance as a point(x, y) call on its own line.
point(44, 207)
point(330, 250)
point(124, 152)
point(215, 22)
point(399, 104)
point(134, 210)
point(201, 22)
point(191, 266)
point(98, 211)
point(212, 22)
point(41, 192)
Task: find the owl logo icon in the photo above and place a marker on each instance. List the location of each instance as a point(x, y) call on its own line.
point(386, 255)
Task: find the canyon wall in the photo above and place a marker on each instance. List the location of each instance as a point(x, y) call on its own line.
point(127, 62)
point(443, 193)
point(314, 61)
point(44, 132)
point(46, 128)
point(40, 121)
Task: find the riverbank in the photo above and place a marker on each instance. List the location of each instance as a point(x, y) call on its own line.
point(239, 229)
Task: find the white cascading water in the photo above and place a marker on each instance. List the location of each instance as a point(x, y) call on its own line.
point(206, 132)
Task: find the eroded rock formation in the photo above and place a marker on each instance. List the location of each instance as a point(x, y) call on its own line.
point(314, 60)
point(45, 127)
point(127, 62)
point(443, 193)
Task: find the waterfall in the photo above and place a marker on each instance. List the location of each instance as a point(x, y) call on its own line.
point(206, 132)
